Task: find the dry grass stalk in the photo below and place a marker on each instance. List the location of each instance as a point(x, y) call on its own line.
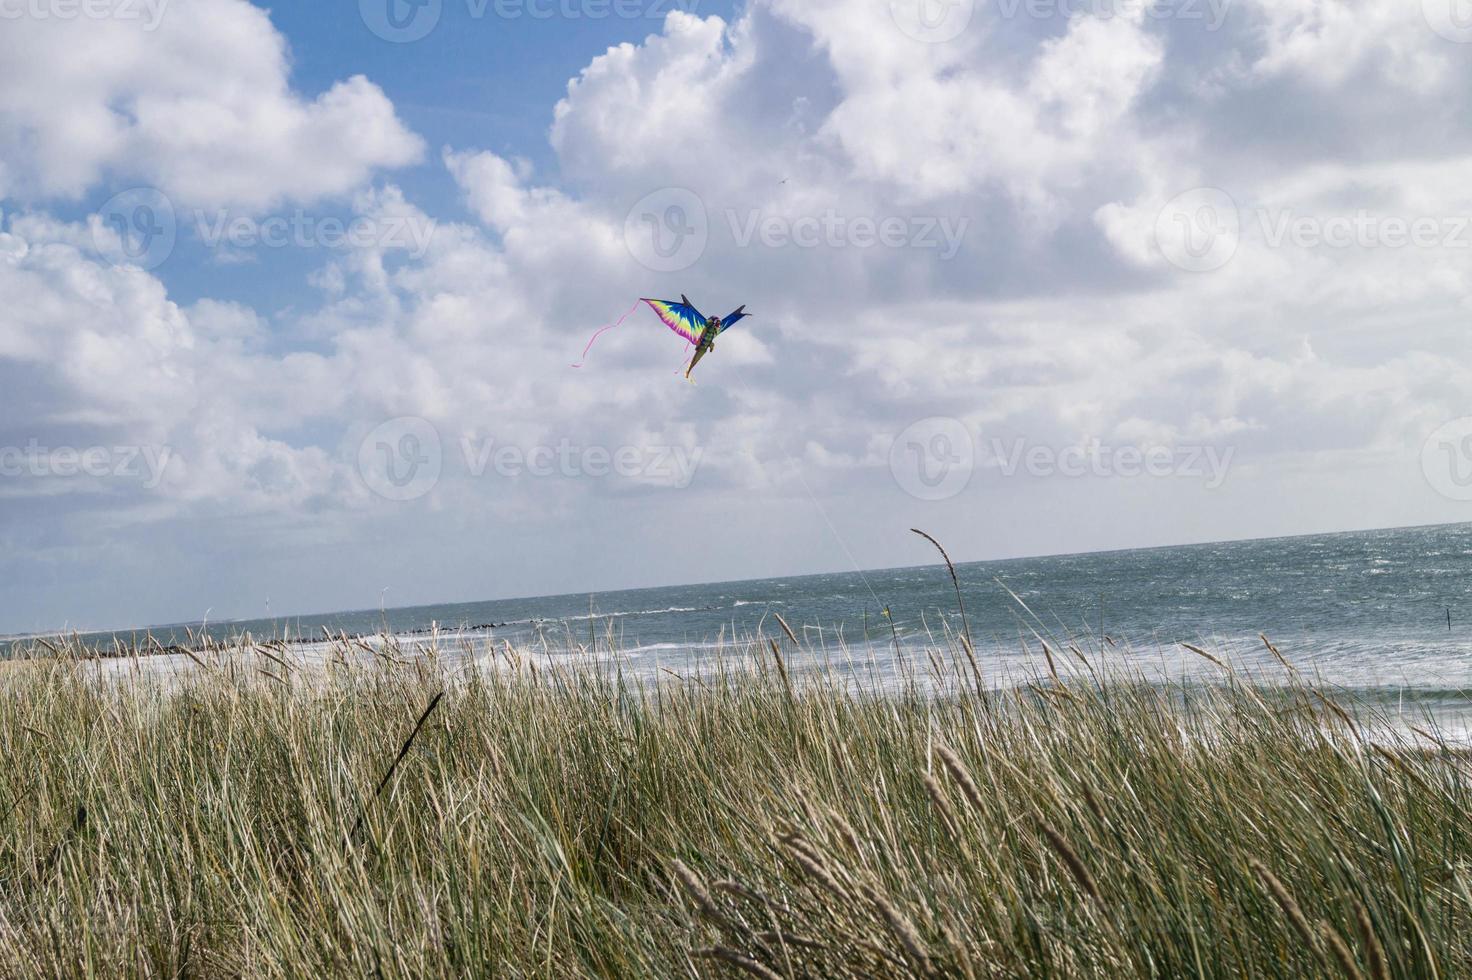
point(811, 861)
point(740, 961)
point(1202, 653)
point(694, 887)
point(903, 929)
point(956, 582)
point(1274, 651)
point(1289, 906)
point(937, 798)
point(1340, 951)
point(781, 669)
point(1073, 862)
point(1374, 952)
point(961, 776)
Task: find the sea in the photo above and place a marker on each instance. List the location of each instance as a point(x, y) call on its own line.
point(1384, 614)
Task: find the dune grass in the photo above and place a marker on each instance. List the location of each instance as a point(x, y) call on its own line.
point(241, 818)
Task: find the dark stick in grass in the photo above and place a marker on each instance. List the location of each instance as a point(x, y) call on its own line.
point(403, 751)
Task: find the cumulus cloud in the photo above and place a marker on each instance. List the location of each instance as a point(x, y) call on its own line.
point(198, 104)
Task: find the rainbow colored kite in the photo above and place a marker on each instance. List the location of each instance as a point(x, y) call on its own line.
point(684, 319)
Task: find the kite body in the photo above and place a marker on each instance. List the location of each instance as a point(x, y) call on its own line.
point(684, 319)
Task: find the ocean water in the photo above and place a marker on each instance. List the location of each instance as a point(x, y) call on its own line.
point(1367, 611)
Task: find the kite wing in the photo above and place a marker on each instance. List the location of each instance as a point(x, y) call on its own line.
point(683, 318)
point(732, 317)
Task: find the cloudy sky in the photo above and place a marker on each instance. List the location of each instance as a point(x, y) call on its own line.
point(290, 298)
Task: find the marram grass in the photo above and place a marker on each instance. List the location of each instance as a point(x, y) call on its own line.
point(254, 817)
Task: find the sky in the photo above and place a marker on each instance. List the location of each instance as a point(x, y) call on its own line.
point(290, 298)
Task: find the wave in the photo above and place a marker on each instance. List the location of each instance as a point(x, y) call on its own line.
point(551, 620)
point(620, 614)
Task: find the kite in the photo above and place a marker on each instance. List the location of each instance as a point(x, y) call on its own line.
point(684, 319)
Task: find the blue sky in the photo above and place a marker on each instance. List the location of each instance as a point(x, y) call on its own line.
point(288, 309)
point(477, 79)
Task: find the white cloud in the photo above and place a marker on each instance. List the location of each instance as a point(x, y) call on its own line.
point(200, 107)
point(1327, 42)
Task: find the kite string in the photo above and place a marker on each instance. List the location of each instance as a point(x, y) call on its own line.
point(601, 330)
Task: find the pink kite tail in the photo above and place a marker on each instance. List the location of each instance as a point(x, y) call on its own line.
point(597, 333)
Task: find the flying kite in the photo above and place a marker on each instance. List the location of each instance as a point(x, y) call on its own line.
point(684, 319)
